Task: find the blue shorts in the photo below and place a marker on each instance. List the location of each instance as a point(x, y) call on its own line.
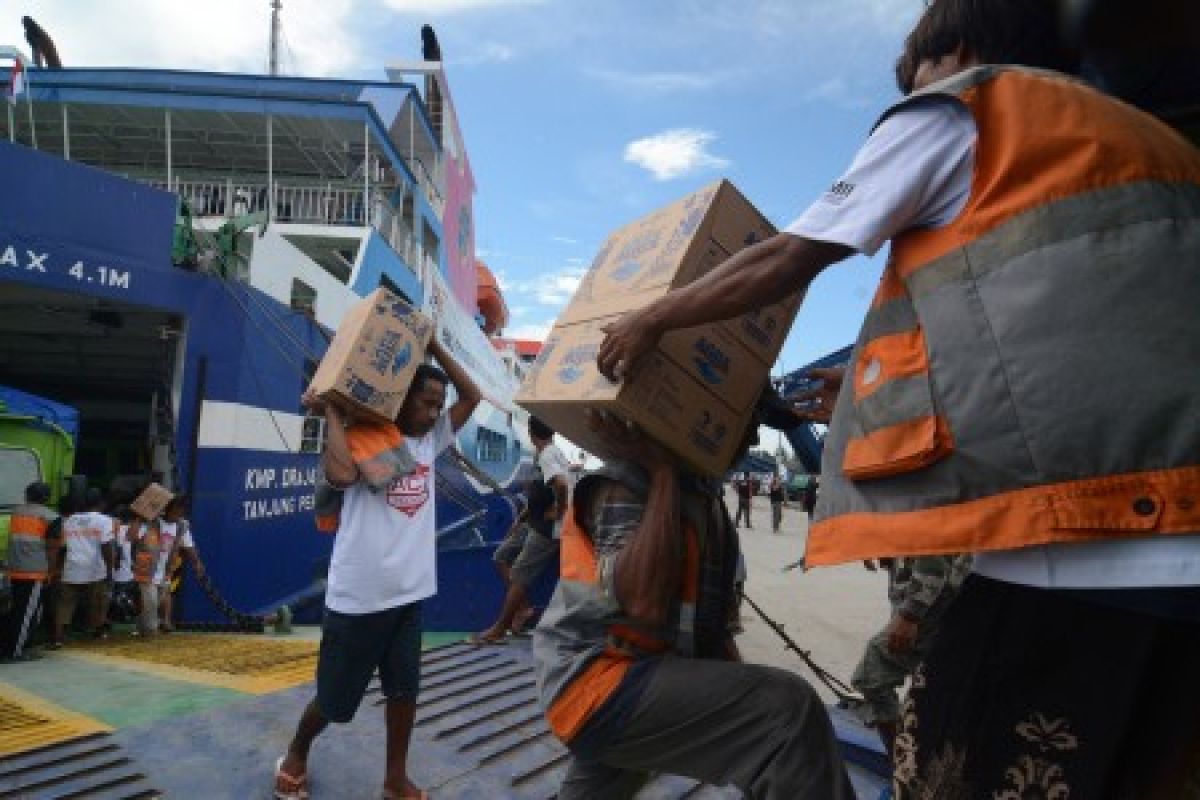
point(354, 645)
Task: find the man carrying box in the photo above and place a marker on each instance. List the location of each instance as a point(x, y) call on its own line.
point(637, 669)
point(383, 564)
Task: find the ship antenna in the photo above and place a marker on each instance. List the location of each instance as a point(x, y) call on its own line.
point(276, 5)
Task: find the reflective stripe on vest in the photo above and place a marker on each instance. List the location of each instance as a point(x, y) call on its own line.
point(581, 694)
point(1027, 373)
point(27, 557)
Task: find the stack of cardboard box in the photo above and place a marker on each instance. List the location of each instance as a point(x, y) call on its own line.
point(696, 392)
point(372, 359)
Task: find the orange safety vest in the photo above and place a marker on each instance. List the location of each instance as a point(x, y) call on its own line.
point(578, 685)
point(28, 558)
point(1027, 374)
point(378, 451)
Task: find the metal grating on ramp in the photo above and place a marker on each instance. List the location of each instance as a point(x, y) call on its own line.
point(91, 766)
point(253, 664)
point(478, 706)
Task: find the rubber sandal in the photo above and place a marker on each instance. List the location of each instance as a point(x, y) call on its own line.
point(289, 787)
point(478, 640)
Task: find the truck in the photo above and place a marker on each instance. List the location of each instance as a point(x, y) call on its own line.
point(38, 440)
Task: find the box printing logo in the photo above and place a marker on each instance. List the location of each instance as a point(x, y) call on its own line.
point(388, 356)
point(574, 362)
point(631, 257)
point(711, 362)
point(706, 434)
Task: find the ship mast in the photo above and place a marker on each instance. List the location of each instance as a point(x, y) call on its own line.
point(276, 5)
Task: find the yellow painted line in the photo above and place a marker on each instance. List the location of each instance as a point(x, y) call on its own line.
point(255, 665)
point(28, 722)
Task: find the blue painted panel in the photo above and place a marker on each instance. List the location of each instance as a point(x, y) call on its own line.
point(379, 259)
point(14, 401)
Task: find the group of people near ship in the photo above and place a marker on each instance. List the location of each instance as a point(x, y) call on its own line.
point(94, 558)
point(1016, 440)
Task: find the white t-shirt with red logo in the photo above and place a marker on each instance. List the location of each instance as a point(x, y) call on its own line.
point(83, 535)
point(385, 552)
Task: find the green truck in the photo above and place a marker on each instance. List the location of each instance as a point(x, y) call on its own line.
point(38, 439)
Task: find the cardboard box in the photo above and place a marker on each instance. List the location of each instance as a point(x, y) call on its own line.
point(666, 401)
point(372, 359)
point(694, 394)
point(152, 502)
point(674, 246)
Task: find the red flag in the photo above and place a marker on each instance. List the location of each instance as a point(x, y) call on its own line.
point(16, 81)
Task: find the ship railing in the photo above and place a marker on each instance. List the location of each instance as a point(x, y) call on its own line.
point(395, 230)
point(312, 203)
point(323, 204)
point(429, 185)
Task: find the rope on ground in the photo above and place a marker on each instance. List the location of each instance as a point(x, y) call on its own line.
point(840, 689)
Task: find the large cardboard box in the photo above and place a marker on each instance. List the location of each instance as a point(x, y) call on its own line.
point(695, 393)
point(664, 400)
point(674, 246)
point(371, 361)
point(152, 502)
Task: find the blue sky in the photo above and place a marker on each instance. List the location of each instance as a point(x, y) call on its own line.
point(579, 115)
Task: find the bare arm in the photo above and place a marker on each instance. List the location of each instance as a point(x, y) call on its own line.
point(468, 393)
point(749, 280)
point(559, 485)
point(649, 570)
point(336, 460)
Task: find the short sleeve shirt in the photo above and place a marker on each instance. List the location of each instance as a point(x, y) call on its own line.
point(385, 550)
point(913, 171)
point(83, 534)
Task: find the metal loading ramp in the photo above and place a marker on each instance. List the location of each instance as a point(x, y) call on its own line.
point(480, 729)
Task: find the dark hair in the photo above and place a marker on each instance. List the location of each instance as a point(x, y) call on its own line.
point(179, 501)
point(426, 373)
point(93, 499)
point(1025, 32)
point(37, 492)
point(539, 429)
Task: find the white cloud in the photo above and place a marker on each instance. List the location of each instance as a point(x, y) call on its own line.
point(452, 6)
point(221, 35)
point(551, 289)
point(659, 82)
point(674, 153)
point(487, 53)
point(564, 240)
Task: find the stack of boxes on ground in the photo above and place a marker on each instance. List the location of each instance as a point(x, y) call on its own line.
point(372, 359)
point(695, 393)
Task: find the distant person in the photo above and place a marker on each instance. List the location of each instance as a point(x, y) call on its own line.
point(147, 546)
point(920, 590)
point(636, 663)
point(526, 553)
point(33, 534)
point(777, 497)
point(125, 599)
point(745, 495)
point(383, 566)
point(87, 566)
point(810, 496)
point(177, 544)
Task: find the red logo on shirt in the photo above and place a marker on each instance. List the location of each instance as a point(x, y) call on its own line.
point(409, 493)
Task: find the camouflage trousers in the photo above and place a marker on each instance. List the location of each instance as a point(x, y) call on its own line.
point(880, 674)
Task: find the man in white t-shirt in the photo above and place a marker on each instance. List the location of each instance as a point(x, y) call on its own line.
point(87, 565)
point(532, 545)
point(383, 565)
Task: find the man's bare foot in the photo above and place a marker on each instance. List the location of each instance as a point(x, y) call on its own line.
point(490, 636)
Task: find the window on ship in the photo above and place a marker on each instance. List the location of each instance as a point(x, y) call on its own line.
point(490, 445)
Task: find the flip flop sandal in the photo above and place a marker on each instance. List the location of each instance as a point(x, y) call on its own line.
point(289, 787)
point(479, 641)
